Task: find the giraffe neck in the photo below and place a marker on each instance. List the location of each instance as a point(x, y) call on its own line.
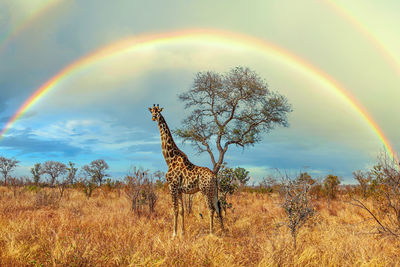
point(168, 146)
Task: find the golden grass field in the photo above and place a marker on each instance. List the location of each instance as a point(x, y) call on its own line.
point(103, 231)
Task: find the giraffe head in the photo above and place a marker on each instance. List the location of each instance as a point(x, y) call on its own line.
point(156, 111)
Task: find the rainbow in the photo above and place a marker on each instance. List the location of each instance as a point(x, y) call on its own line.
point(135, 43)
point(35, 13)
point(380, 46)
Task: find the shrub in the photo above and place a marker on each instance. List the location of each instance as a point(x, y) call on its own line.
point(87, 186)
point(331, 185)
point(297, 205)
point(385, 195)
point(140, 190)
point(44, 199)
point(226, 185)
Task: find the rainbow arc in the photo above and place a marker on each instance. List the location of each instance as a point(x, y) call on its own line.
point(135, 43)
point(19, 27)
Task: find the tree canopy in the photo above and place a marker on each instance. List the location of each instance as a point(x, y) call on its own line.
point(234, 108)
point(96, 170)
point(7, 166)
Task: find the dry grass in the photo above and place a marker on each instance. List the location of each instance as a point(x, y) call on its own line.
point(103, 231)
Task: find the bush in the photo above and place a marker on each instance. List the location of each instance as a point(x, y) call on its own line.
point(44, 199)
point(87, 186)
point(297, 205)
point(226, 185)
point(385, 195)
point(140, 190)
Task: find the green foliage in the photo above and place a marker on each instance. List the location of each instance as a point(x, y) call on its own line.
point(227, 184)
point(33, 188)
point(331, 183)
point(71, 172)
point(36, 173)
point(241, 175)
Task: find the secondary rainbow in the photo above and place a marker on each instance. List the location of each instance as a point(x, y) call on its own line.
point(379, 45)
point(35, 13)
point(210, 36)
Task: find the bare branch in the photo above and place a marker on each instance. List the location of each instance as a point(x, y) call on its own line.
point(235, 108)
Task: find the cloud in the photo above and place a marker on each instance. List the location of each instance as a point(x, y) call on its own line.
point(25, 142)
point(101, 110)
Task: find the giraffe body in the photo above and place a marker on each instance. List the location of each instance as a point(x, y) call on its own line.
point(184, 177)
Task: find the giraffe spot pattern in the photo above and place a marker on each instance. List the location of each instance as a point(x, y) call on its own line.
point(183, 176)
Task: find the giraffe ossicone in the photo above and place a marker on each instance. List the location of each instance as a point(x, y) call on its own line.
point(183, 177)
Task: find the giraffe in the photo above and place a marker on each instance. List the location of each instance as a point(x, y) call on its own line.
point(183, 177)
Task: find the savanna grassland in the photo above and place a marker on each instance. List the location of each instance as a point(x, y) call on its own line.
point(37, 228)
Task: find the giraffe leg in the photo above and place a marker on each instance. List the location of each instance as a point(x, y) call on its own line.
point(176, 209)
point(211, 221)
point(217, 206)
point(182, 214)
point(211, 210)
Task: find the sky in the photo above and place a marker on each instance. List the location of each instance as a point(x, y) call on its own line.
point(313, 52)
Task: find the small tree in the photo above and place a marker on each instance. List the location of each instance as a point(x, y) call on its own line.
point(236, 108)
point(160, 179)
point(385, 181)
point(54, 169)
point(306, 178)
point(62, 184)
point(364, 180)
point(149, 194)
point(241, 175)
point(37, 173)
point(86, 182)
point(97, 170)
point(15, 183)
point(297, 204)
point(71, 172)
point(226, 185)
point(87, 186)
point(6, 167)
point(140, 190)
point(331, 184)
point(268, 184)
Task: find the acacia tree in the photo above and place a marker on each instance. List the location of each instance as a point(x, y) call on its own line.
point(54, 169)
point(6, 167)
point(97, 170)
point(235, 108)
